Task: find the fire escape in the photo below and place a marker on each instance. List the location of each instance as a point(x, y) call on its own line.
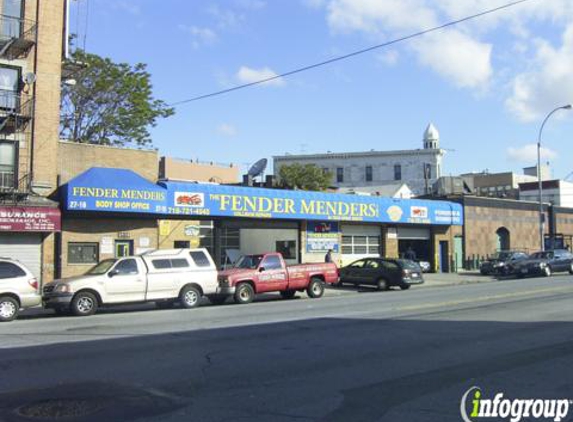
point(17, 38)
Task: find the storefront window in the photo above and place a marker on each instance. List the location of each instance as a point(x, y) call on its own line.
point(360, 245)
point(83, 253)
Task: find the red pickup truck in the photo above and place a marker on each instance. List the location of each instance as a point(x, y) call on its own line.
point(254, 274)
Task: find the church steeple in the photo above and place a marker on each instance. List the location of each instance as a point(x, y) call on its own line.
point(431, 137)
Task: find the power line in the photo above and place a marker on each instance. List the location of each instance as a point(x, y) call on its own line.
point(349, 55)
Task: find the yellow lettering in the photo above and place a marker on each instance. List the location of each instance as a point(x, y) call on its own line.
point(225, 200)
point(289, 206)
point(307, 208)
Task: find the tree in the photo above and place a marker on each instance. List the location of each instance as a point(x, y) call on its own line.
point(304, 177)
point(109, 103)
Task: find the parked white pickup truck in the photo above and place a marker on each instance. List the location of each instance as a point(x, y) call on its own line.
point(162, 276)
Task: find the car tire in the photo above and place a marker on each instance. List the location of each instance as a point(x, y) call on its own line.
point(382, 284)
point(244, 294)
point(217, 299)
point(288, 294)
point(547, 271)
point(404, 286)
point(165, 304)
point(9, 309)
point(84, 304)
point(315, 288)
point(190, 297)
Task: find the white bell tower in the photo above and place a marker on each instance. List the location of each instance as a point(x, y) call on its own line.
point(431, 137)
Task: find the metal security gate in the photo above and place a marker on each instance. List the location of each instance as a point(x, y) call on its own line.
point(25, 247)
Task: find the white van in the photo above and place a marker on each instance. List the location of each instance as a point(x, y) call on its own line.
point(18, 289)
point(163, 276)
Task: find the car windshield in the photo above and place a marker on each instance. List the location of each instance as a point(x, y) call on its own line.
point(502, 256)
point(102, 268)
point(542, 255)
point(249, 261)
point(407, 264)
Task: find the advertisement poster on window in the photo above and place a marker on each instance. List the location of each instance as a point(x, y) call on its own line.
point(322, 236)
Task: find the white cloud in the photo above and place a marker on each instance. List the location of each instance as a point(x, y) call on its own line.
point(314, 4)
point(547, 84)
point(388, 57)
point(247, 75)
point(200, 35)
point(528, 154)
point(251, 4)
point(227, 129)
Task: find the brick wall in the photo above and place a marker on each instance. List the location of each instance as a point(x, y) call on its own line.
point(172, 168)
point(75, 158)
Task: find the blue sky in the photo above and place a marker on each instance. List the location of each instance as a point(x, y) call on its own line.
point(485, 84)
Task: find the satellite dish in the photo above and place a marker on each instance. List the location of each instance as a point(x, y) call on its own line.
point(257, 168)
point(29, 78)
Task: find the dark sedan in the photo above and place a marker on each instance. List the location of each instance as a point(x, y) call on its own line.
point(545, 263)
point(382, 273)
point(501, 262)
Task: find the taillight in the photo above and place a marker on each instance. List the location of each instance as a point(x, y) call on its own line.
point(34, 283)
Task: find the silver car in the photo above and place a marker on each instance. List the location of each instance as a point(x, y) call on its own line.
point(18, 289)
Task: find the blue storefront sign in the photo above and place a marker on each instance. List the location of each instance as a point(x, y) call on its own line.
point(322, 236)
point(118, 190)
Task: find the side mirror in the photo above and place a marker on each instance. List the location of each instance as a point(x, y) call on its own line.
point(261, 269)
point(112, 273)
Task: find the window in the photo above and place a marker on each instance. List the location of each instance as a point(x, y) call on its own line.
point(360, 245)
point(127, 267)
point(8, 159)
point(179, 263)
point(287, 248)
point(271, 262)
point(161, 264)
point(339, 174)
point(368, 173)
point(12, 11)
point(397, 172)
point(9, 87)
point(83, 253)
point(9, 270)
point(200, 259)
point(358, 264)
point(373, 265)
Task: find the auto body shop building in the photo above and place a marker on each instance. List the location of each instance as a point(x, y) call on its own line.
point(116, 212)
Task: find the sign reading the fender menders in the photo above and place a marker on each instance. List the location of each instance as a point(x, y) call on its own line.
point(322, 236)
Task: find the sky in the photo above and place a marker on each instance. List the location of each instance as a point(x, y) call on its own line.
point(486, 84)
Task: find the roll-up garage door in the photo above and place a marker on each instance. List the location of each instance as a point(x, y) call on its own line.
point(359, 242)
point(25, 247)
point(413, 233)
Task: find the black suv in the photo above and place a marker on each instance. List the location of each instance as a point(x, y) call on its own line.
point(501, 263)
point(382, 273)
point(545, 263)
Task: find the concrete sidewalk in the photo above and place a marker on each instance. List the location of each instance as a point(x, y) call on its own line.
point(447, 279)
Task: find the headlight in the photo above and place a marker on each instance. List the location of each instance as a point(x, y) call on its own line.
point(63, 288)
point(542, 265)
point(500, 264)
point(223, 281)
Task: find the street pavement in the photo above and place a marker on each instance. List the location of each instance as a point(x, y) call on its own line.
point(355, 355)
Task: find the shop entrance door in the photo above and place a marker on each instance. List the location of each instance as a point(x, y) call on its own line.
point(123, 248)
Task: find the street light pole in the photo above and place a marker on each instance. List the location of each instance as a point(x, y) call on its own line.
point(539, 184)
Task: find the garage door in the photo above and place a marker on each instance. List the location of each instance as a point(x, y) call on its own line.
point(413, 233)
point(359, 242)
point(25, 247)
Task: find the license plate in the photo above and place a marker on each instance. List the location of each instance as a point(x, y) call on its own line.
point(415, 275)
point(524, 271)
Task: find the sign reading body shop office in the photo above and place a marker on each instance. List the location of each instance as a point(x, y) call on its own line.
point(116, 190)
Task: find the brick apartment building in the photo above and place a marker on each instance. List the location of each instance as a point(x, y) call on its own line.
point(32, 42)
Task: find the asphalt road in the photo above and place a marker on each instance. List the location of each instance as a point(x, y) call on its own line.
point(351, 356)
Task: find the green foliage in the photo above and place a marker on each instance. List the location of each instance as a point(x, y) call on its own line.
point(110, 103)
point(304, 177)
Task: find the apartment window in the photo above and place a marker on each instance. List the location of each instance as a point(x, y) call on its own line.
point(368, 173)
point(397, 172)
point(12, 13)
point(8, 159)
point(83, 253)
point(339, 174)
point(9, 87)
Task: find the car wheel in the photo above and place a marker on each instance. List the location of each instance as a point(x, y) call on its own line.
point(217, 299)
point(165, 304)
point(404, 286)
point(288, 294)
point(190, 297)
point(315, 288)
point(84, 304)
point(382, 284)
point(244, 294)
point(547, 271)
point(9, 308)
